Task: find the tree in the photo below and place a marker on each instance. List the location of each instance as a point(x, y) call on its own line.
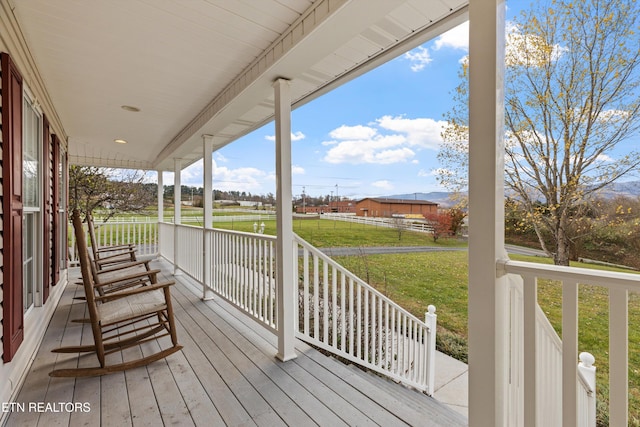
point(457, 220)
point(122, 191)
point(441, 224)
point(400, 225)
point(571, 104)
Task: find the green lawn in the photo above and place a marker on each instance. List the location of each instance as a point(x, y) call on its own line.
point(415, 280)
point(324, 233)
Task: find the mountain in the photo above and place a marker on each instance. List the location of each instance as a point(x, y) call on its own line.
point(625, 189)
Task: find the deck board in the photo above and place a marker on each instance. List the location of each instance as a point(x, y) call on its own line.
point(265, 387)
point(226, 374)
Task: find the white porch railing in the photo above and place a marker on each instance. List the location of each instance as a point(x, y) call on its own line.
point(240, 267)
point(188, 251)
point(143, 234)
point(548, 369)
point(243, 271)
point(166, 244)
point(577, 384)
point(344, 315)
point(337, 311)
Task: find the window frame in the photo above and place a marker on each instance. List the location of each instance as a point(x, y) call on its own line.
point(32, 139)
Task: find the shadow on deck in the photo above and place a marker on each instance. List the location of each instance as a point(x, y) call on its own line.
point(226, 374)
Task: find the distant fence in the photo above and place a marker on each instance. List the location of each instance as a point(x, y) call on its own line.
point(226, 218)
point(406, 224)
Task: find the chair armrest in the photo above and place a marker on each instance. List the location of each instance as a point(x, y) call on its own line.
point(112, 261)
point(134, 291)
point(127, 277)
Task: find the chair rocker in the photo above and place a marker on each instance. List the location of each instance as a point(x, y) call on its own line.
point(104, 256)
point(120, 320)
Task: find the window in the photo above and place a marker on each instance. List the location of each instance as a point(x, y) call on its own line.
point(32, 200)
point(61, 212)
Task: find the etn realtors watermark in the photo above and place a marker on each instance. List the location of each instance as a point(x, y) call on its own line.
point(44, 407)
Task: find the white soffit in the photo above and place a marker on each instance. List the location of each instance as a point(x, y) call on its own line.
point(204, 66)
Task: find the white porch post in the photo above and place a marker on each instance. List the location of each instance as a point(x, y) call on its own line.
point(160, 196)
point(285, 278)
point(160, 209)
point(177, 215)
point(207, 214)
point(488, 294)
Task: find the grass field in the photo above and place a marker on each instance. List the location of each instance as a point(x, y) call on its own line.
point(324, 233)
point(416, 280)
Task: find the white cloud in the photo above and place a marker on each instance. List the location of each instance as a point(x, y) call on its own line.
point(422, 132)
point(613, 115)
point(297, 170)
point(387, 140)
point(193, 174)
point(435, 172)
point(382, 184)
point(529, 49)
point(419, 58)
point(455, 38)
point(353, 132)
point(521, 49)
point(295, 136)
point(240, 179)
point(378, 150)
point(219, 157)
point(605, 158)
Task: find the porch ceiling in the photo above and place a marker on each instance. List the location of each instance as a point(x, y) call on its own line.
point(199, 67)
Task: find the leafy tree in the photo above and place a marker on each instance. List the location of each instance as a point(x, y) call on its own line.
point(571, 101)
point(457, 220)
point(114, 191)
point(441, 224)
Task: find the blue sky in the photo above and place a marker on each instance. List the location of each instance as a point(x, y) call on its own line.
point(376, 135)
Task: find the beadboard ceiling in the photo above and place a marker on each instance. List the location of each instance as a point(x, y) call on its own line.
point(197, 67)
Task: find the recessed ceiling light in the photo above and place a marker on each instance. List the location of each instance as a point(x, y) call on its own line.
point(130, 108)
point(120, 141)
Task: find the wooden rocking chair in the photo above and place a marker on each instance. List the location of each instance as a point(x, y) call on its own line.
point(120, 320)
point(104, 256)
point(123, 276)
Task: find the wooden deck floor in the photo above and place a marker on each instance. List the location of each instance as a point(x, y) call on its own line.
point(226, 374)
